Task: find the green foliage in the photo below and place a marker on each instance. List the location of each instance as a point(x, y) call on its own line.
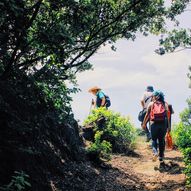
point(187, 160)
point(49, 38)
point(140, 132)
point(177, 7)
point(19, 182)
point(50, 41)
point(176, 39)
point(59, 96)
point(116, 130)
point(101, 147)
point(182, 135)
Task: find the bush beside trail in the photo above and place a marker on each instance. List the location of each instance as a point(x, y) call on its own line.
point(182, 137)
point(110, 133)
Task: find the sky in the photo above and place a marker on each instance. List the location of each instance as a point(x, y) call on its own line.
point(124, 75)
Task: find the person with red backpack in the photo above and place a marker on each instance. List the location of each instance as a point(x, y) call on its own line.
point(157, 116)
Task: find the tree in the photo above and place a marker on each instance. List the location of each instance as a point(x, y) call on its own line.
point(42, 44)
point(51, 39)
point(179, 38)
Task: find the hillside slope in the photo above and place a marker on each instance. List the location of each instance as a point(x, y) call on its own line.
point(31, 139)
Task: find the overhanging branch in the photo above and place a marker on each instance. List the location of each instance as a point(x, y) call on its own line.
point(19, 39)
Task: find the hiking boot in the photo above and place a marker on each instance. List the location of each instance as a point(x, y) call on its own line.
point(162, 166)
point(148, 139)
point(161, 160)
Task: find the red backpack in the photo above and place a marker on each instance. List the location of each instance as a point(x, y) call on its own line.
point(158, 111)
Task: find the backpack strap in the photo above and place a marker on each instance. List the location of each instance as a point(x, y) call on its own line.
point(147, 98)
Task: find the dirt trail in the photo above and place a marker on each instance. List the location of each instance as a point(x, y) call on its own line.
point(128, 173)
point(139, 172)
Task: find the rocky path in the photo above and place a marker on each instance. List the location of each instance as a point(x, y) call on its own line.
point(139, 172)
point(129, 173)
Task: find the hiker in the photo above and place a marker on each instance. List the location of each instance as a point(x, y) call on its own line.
point(102, 100)
point(157, 115)
point(146, 99)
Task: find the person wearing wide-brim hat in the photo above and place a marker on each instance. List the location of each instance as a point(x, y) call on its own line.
point(100, 97)
point(94, 89)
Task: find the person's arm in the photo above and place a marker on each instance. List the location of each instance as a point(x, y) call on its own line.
point(146, 118)
point(142, 103)
point(93, 103)
point(103, 101)
point(102, 97)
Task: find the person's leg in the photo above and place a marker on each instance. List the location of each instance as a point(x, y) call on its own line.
point(148, 134)
point(154, 147)
point(161, 137)
point(154, 140)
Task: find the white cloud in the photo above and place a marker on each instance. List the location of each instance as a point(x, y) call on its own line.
point(125, 74)
point(156, 69)
point(169, 64)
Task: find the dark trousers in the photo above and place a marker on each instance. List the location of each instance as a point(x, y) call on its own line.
point(158, 132)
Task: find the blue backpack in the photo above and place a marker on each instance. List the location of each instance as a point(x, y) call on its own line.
point(108, 102)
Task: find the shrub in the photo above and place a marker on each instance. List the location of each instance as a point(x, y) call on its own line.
point(140, 132)
point(112, 130)
point(100, 148)
point(58, 96)
point(182, 137)
point(18, 182)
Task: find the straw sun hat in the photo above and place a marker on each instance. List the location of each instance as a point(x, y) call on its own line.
point(94, 89)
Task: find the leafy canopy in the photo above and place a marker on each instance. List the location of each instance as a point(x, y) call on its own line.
point(55, 38)
point(177, 38)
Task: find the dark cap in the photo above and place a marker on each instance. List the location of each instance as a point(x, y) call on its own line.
point(150, 88)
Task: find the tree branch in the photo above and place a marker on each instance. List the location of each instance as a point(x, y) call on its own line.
point(29, 62)
point(180, 49)
point(102, 28)
point(19, 39)
point(117, 18)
